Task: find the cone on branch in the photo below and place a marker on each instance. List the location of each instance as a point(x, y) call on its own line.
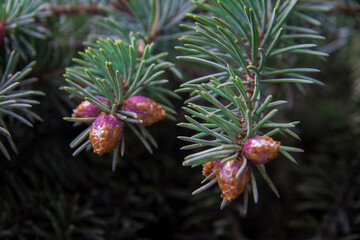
point(146, 109)
point(261, 149)
point(230, 185)
point(105, 133)
point(88, 110)
point(211, 167)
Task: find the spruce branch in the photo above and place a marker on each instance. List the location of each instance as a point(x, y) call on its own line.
point(115, 72)
point(247, 44)
point(238, 38)
point(14, 99)
point(222, 129)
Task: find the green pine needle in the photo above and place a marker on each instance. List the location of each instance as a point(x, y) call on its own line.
point(113, 70)
point(14, 99)
point(239, 42)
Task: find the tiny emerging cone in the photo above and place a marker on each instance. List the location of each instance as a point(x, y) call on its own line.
point(261, 149)
point(105, 133)
point(87, 110)
point(146, 109)
point(230, 186)
point(140, 46)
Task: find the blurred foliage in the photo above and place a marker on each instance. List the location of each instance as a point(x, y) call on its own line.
point(14, 101)
point(329, 206)
point(21, 23)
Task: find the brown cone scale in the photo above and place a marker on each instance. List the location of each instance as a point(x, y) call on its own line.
point(105, 133)
point(211, 167)
point(230, 186)
point(146, 109)
point(261, 149)
point(87, 110)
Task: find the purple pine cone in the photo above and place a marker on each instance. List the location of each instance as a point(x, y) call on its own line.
point(261, 149)
point(230, 186)
point(211, 167)
point(105, 133)
point(146, 109)
point(87, 110)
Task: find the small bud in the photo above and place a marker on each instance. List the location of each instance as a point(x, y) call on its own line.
point(211, 167)
point(146, 109)
point(3, 32)
point(105, 133)
point(87, 110)
point(261, 149)
point(140, 46)
point(230, 186)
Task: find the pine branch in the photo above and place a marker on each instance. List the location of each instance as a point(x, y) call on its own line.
point(108, 76)
point(243, 43)
point(237, 38)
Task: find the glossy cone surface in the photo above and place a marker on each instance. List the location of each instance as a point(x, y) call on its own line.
point(261, 149)
point(146, 109)
point(230, 186)
point(105, 133)
point(86, 109)
point(211, 167)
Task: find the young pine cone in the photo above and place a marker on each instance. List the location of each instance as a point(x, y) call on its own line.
point(105, 133)
point(230, 186)
point(87, 110)
point(261, 149)
point(146, 109)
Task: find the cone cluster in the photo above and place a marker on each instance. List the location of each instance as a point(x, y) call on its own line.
point(257, 150)
point(107, 129)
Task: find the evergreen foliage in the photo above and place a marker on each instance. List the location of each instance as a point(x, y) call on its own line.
point(248, 68)
point(117, 71)
point(329, 187)
point(19, 19)
point(247, 49)
point(14, 101)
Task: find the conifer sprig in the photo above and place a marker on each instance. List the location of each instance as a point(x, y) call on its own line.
point(116, 71)
point(224, 123)
point(248, 44)
point(14, 99)
point(243, 34)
